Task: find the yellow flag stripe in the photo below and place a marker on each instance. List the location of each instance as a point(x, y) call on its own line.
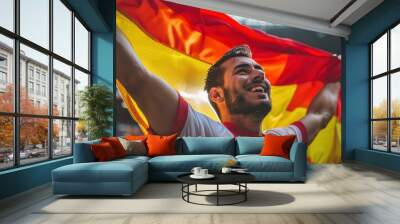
point(133, 108)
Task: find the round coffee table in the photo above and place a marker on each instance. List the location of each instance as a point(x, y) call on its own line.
point(238, 179)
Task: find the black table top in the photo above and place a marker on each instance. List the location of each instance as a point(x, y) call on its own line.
point(220, 178)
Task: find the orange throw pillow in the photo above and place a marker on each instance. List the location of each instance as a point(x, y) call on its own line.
point(116, 145)
point(103, 152)
point(277, 145)
point(135, 137)
point(161, 145)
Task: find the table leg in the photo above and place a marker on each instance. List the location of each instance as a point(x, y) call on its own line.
point(196, 188)
point(188, 189)
point(182, 188)
point(217, 194)
point(245, 191)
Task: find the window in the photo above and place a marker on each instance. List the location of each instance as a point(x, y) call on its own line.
point(30, 87)
point(3, 78)
point(62, 30)
point(34, 22)
point(38, 89)
point(3, 61)
point(37, 74)
point(385, 95)
point(6, 89)
point(30, 72)
point(81, 81)
point(41, 83)
point(3, 71)
point(44, 91)
point(81, 45)
point(62, 74)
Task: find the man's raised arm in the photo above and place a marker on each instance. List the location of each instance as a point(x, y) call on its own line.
point(155, 98)
point(321, 110)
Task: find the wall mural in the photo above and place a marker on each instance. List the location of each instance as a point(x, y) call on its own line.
point(198, 72)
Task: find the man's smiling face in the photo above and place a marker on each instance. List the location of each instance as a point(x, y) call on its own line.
point(246, 89)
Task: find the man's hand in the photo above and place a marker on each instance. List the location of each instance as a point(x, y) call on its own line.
point(157, 100)
point(321, 110)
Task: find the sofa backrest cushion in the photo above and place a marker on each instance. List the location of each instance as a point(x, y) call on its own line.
point(249, 145)
point(206, 145)
point(83, 153)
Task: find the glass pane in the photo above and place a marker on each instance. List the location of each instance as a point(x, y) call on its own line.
point(6, 142)
point(35, 21)
point(6, 74)
point(395, 136)
point(33, 139)
point(62, 138)
point(81, 131)
point(62, 29)
point(62, 89)
point(379, 135)
point(7, 14)
point(34, 94)
point(81, 81)
point(395, 47)
point(379, 98)
point(379, 55)
point(395, 94)
point(81, 45)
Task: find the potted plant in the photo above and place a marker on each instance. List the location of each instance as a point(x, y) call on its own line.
point(96, 103)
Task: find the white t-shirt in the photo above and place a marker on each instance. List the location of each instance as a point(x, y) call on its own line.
point(192, 123)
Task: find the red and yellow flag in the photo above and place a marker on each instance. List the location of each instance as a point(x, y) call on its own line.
point(179, 43)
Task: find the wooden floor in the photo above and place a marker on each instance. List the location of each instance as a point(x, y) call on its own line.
point(377, 188)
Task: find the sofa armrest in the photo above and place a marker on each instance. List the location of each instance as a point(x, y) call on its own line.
point(83, 152)
point(298, 155)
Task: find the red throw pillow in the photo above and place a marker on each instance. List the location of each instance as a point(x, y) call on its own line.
point(277, 145)
point(161, 145)
point(116, 145)
point(103, 152)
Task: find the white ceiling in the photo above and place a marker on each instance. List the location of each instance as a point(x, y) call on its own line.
point(325, 16)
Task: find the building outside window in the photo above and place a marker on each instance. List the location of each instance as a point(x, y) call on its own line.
point(385, 94)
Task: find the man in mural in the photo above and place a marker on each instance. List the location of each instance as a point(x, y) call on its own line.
point(237, 89)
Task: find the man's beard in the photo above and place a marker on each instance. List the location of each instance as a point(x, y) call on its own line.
point(240, 106)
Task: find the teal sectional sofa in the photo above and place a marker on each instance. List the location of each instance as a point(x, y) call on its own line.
point(125, 176)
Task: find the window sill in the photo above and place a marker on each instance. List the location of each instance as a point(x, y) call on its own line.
point(30, 166)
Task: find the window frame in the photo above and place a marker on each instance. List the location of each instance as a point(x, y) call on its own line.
point(388, 74)
point(16, 115)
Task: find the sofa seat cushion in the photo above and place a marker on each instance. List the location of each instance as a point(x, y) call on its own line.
point(185, 163)
point(257, 163)
point(133, 158)
point(111, 171)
